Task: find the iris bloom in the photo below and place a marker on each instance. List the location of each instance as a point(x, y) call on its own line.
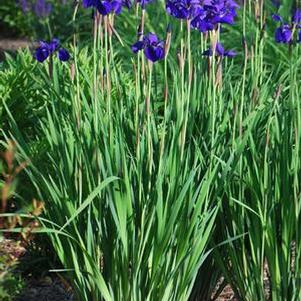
point(42, 8)
point(25, 6)
point(219, 51)
point(153, 47)
point(47, 49)
point(106, 7)
point(284, 32)
point(183, 9)
point(296, 17)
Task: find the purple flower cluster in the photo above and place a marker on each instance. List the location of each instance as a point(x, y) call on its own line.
point(25, 6)
point(106, 7)
point(41, 8)
point(204, 14)
point(285, 32)
point(153, 47)
point(47, 49)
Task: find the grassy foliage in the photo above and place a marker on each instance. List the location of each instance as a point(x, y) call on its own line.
point(153, 178)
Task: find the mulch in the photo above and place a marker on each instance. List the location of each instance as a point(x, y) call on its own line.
point(46, 289)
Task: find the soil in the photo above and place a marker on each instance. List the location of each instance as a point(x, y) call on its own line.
point(46, 289)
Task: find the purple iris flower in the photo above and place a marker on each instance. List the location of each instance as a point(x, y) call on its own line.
point(89, 3)
point(127, 3)
point(277, 18)
point(219, 51)
point(184, 9)
point(25, 6)
point(203, 22)
point(296, 17)
point(106, 7)
point(153, 47)
point(284, 34)
point(47, 49)
point(42, 8)
point(63, 55)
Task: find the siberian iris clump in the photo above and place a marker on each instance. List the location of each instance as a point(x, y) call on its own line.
point(45, 50)
point(153, 47)
point(285, 32)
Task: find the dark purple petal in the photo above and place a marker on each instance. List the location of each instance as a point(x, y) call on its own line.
point(207, 52)
point(127, 3)
point(219, 49)
point(54, 45)
point(25, 6)
point(104, 7)
point(277, 18)
point(63, 55)
point(89, 3)
point(283, 34)
point(137, 46)
point(42, 8)
point(183, 9)
point(116, 6)
point(151, 38)
point(201, 24)
point(230, 53)
point(154, 54)
point(41, 54)
point(296, 18)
